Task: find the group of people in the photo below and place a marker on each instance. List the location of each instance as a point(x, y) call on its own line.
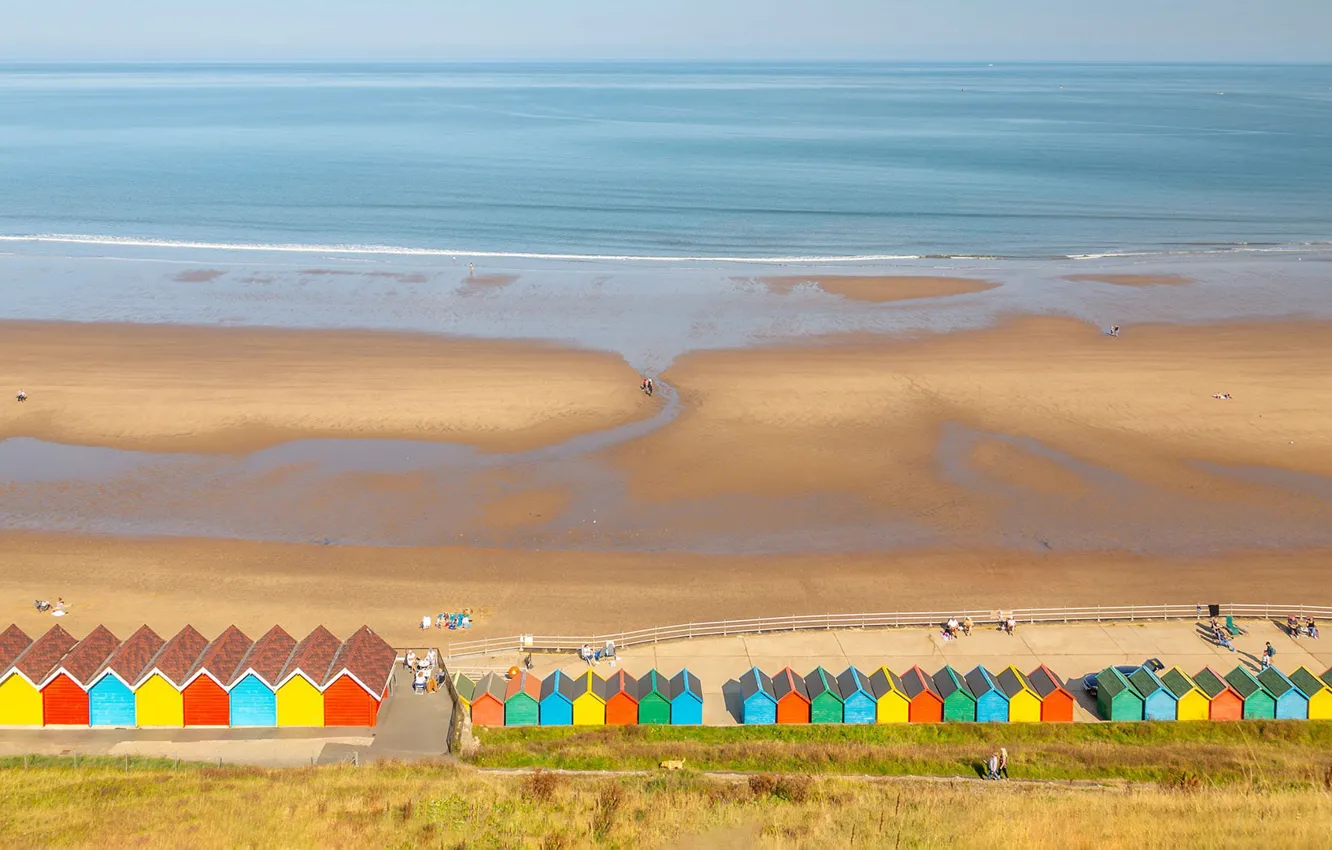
point(953, 628)
point(1297, 626)
point(424, 669)
point(648, 386)
point(44, 606)
point(460, 620)
point(593, 656)
point(1008, 624)
point(1221, 635)
point(996, 766)
point(21, 397)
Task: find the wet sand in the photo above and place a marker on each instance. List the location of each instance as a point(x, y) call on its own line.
point(206, 389)
point(211, 584)
point(1131, 279)
point(880, 289)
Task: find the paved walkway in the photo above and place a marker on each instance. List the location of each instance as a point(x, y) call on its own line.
point(1069, 650)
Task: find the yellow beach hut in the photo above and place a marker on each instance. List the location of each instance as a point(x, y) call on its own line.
point(1191, 703)
point(892, 703)
point(300, 702)
point(1320, 695)
point(158, 697)
point(1024, 704)
point(21, 682)
point(589, 706)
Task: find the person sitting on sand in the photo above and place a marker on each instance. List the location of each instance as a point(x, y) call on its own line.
point(22, 396)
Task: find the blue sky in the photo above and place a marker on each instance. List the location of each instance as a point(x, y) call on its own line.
point(1153, 30)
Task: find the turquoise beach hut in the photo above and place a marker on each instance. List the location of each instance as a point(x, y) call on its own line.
point(1158, 703)
point(111, 697)
point(1291, 702)
point(557, 696)
point(759, 703)
point(858, 702)
point(686, 696)
point(991, 701)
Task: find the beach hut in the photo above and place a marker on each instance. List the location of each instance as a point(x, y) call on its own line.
point(522, 700)
point(65, 692)
point(252, 691)
point(158, 700)
point(1024, 704)
point(825, 697)
point(654, 700)
point(1223, 703)
point(1056, 702)
point(686, 699)
point(13, 641)
point(1158, 702)
point(557, 699)
point(859, 703)
point(991, 701)
point(1319, 694)
point(1191, 703)
point(1259, 704)
point(466, 686)
point(300, 702)
point(892, 704)
point(589, 708)
point(959, 704)
point(21, 689)
point(926, 704)
point(792, 697)
point(358, 680)
point(205, 697)
point(1291, 702)
point(621, 694)
point(758, 702)
point(1116, 697)
point(111, 697)
point(488, 700)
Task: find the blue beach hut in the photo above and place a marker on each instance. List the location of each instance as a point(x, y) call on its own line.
point(557, 696)
point(111, 697)
point(1291, 702)
point(253, 687)
point(758, 702)
point(686, 696)
point(858, 702)
point(1158, 703)
point(991, 701)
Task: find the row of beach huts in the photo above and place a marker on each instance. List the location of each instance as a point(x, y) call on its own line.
point(883, 696)
point(188, 680)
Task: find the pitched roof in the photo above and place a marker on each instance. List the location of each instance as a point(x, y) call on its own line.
point(1177, 682)
point(1045, 681)
point(884, 681)
point(133, 656)
point(313, 656)
point(89, 655)
point(558, 683)
point(267, 657)
point(820, 682)
point(1145, 681)
point(617, 683)
point(1211, 682)
point(916, 682)
point(221, 657)
point(1243, 682)
point(178, 656)
point(980, 681)
point(13, 641)
point(464, 685)
point(1111, 682)
point(492, 686)
point(947, 683)
point(1012, 682)
point(683, 683)
point(755, 681)
point(1307, 682)
point(1275, 681)
point(44, 654)
point(368, 658)
point(788, 681)
point(852, 680)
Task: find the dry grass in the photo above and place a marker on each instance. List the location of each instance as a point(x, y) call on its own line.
point(446, 806)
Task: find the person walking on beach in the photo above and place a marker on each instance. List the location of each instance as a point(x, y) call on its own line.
point(1003, 762)
point(1268, 653)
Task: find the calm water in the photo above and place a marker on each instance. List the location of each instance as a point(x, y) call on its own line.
point(674, 160)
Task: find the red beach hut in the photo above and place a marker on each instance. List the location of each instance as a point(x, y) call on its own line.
point(926, 705)
point(1224, 703)
point(792, 697)
point(1056, 701)
point(488, 701)
point(358, 681)
point(65, 694)
point(206, 701)
point(621, 694)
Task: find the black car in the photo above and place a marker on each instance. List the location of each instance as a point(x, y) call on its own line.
point(1089, 680)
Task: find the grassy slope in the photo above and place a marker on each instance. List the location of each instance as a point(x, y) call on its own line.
point(442, 806)
point(1283, 752)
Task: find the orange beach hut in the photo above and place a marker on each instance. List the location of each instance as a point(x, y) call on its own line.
point(792, 697)
point(621, 694)
point(65, 694)
point(204, 698)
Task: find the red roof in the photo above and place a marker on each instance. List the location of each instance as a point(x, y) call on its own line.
point(313, 656)
point(177, 658)
point(134, 655)
point(43, 656)
point(368, 658)
point(267, 657)
point(223, 656)
point(90, 655)
point(13, 641)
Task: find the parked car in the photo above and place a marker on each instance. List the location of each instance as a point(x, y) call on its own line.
point(1089, 680)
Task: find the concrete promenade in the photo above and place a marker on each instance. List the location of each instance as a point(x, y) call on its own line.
point(1069, 650)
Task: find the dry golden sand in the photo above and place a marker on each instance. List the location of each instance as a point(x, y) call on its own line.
point(880, 288)
point(1131, 279)
point(169, 582)
point(168, 388)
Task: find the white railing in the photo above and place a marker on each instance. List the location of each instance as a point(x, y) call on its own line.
point(799, 622)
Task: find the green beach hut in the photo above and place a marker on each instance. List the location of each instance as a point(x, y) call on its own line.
point(654, 706)
point(825, 697)
point(1291, 702)
point(1259, 704)
point(522, 700)
point(959, 704)
point(1116, 698)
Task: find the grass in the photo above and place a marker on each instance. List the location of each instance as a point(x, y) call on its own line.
point(1284, 752)
point(454, 807)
